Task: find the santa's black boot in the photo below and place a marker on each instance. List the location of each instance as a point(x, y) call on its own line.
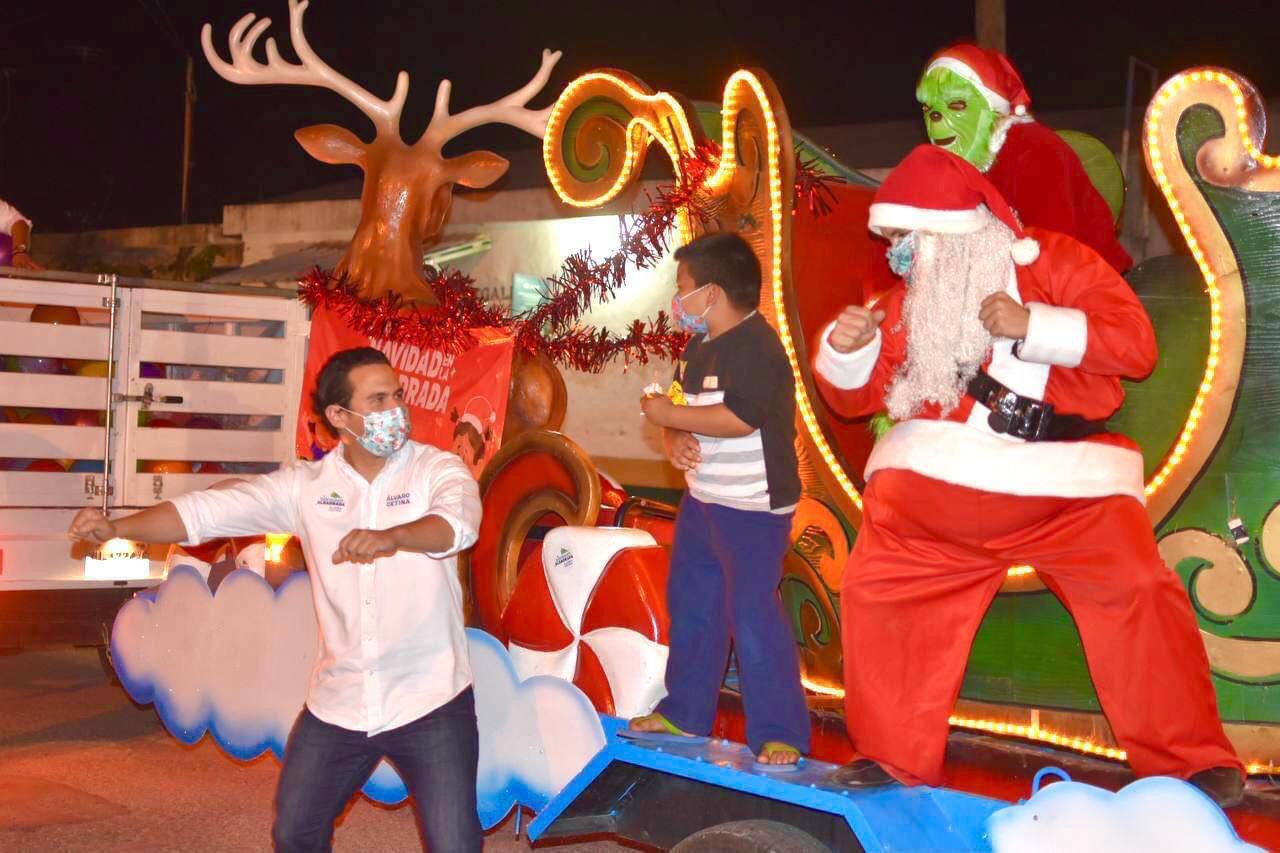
point(1223, 785)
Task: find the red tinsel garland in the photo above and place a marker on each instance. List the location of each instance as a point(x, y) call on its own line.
point(553, 328)
point(813, 188)
point(446, 326)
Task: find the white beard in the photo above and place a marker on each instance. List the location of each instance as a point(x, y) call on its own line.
point(946, 341)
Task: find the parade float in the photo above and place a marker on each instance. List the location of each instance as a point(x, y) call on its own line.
point(566, 586)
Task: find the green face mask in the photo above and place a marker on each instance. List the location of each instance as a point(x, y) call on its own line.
point(956, 116)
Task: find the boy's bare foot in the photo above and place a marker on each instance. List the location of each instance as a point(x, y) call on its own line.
point(777, 752)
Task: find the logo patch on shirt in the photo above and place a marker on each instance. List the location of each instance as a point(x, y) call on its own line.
point(332, 502)
point(401, 499)
point(564, 558)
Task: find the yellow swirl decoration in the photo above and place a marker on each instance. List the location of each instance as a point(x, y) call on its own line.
point(1233, 160)
point(628, 117)
point(1224, 589)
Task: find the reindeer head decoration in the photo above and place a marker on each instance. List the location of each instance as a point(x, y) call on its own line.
point(408, 189)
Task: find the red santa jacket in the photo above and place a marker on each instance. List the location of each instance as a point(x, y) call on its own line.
point(1043, 179)
point(1087, 330)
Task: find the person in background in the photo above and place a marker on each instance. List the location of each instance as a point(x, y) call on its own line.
point(15, 230)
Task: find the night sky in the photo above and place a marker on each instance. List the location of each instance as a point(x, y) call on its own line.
point(91, 94)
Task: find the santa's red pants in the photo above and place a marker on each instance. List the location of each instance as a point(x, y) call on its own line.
point(929, 559)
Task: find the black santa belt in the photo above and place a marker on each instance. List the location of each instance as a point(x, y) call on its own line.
point(1028, 418)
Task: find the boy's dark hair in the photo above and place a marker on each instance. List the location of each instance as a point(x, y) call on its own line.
point(333, 385)
point(727, 260)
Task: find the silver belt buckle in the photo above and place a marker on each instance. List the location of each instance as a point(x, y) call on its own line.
point(1003, 410)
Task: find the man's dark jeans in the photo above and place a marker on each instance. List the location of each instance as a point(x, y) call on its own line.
point(435, 755)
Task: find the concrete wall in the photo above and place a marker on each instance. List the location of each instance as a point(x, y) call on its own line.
point(154, 247)
point(271, 230)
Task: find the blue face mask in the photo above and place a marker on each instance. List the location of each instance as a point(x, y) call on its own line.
point(901, 254)
point(694, 324)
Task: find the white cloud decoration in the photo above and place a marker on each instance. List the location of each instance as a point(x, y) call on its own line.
point(237, 664)
point(1157, 814)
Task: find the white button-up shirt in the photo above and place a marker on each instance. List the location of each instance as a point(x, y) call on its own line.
point(9, 217)
point(392, 643)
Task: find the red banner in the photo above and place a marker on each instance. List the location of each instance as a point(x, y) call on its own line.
point(456, 402)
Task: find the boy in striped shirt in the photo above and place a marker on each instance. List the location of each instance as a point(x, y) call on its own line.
point(734, 437)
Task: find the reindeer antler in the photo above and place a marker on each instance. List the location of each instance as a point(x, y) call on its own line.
point(311, 71)
point(509, 110)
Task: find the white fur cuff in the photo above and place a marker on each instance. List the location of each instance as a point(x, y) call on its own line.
point(1055, 335)
point(846, 370)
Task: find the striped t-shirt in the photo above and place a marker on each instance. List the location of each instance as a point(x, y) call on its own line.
point(746, 369)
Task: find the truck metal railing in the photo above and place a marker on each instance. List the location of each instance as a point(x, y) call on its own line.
point(146, 283)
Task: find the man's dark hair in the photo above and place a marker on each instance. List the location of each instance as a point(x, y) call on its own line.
point(333, 385)
point(726, 260)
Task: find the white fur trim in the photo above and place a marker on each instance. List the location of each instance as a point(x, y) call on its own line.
point(1055, 335)
point(908, 218)
point(847, 371)
point(958, 454)
point(1024, 251)
point(1023, 377)
point(1000, 133)
point(997, 102)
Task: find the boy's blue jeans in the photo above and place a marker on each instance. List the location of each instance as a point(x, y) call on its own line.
point(723, 584)
point(435, 755)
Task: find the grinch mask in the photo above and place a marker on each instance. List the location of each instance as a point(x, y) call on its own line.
point(957, 117)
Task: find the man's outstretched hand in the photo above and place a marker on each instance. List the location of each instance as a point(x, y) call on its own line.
point(23, 261)
point(92, 525)
point(855, 328)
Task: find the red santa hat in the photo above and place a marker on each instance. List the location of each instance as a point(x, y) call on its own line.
point(935, 190)
point(990, 71)
point(479, 408)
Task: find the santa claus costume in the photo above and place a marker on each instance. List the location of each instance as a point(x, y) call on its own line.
point(1000, 457)
point(1036, 171)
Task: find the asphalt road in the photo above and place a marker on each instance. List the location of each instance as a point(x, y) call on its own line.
point(82, 768)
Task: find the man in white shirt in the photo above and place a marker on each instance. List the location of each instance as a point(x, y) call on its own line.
point(380, 520)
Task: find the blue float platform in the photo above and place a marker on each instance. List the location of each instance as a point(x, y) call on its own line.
point(660, 793)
